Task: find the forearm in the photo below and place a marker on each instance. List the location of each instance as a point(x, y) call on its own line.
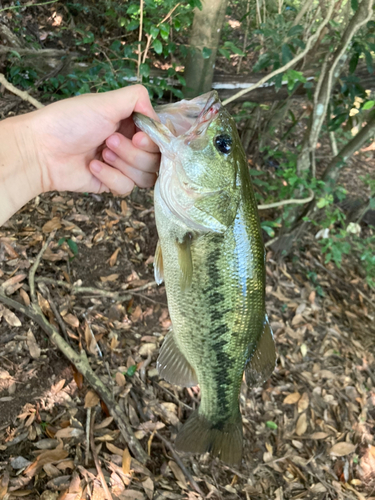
point(20, 180)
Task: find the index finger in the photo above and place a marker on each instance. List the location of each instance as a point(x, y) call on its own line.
point(142, 141)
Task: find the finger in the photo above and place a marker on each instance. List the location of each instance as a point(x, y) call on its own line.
point(121, 103)
point(131, 155)
point(142, 141)
point(115, 180)
point(143, 179)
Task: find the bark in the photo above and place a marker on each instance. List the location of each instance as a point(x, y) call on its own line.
point(205, 33)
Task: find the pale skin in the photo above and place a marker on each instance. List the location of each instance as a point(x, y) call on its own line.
point(87, 143)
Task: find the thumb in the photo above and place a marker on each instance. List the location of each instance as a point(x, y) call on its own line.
point(121, 103)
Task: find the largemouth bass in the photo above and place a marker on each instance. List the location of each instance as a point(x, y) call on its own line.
point(211, 256)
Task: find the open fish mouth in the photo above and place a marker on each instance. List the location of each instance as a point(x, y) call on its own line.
point(190, 116)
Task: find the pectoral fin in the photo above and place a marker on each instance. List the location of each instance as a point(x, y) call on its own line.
point(262, 363)
point(173, 366)
point(158, 265)
point(185, 261)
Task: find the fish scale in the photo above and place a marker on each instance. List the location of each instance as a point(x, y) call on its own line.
point(211, 257)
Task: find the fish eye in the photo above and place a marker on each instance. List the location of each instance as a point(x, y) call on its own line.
point(223, 143)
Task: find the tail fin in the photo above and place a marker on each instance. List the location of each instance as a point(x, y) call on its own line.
point(222, 440)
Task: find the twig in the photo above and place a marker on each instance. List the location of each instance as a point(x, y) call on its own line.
point(291, 63)
point(287, 202)
point(55, 311)
point(34, 267)
point(180, 463)
point(28, 5)
point(150, 37)
point(139, 78)
point(88, 422)
point(21, 93)
point(107, 493)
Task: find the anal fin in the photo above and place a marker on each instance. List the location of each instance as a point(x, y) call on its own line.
point(158, 265)
point(261, 365)
point(173, 366)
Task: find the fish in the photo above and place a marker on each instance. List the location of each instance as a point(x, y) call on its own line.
point(211, 257)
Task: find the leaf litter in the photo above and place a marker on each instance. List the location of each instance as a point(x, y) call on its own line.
point(308, 431)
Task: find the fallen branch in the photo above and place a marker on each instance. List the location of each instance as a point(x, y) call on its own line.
point(291, 63)
point(288, 202)
point(28, 5)
point(21, 93)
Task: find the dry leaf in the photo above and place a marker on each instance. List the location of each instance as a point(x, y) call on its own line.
point(111, 277)
point(179, 475)
point(12, 284)
point(342, 449)
point(52, 224)
point(114, 449)
point(291, 399)
point(126, 461)
point(303, 403)
point(4, 481)
point(104, 424)
point(301, 426)
point(148, 486)
point(113, 258)
point(91, 399)
point(46, 457)
point(32, 345)
point(11, 318)
point(25, 297)
point(120, 379)
point(71, 320)
point(319, 435)
point(69, 432)
point(132, 495)
point(137, 313)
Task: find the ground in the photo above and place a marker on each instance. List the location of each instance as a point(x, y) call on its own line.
point(308, 431)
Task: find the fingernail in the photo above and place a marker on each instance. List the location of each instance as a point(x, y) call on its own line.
point(143, 142)
point(113, 141)
point(109, 155)
point(95, 167)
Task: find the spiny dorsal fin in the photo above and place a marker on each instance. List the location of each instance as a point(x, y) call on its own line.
point(158, 265)
point(173, 366)
point(185, 261)
point(262, 363)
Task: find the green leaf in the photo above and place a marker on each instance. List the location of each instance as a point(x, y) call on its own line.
point(368, 105)
point(372, 203)
point(73, 246)
point(181, 79)
point(269, 231)
point(131, 370)
point(61, 241)
point(271, 425)
point(164, 31)
point(354, 4)
point(294, 30)
point(353, 62)
point(286, 54)
point(154, 31)
point(133, 25)
point(158, 46)
point(263, 61)
point(133, 9)
point(369, 65)
point(233, 48)
point(225, 53)
point(115, 45)
point(144, 69)
point(206, 53)
point(177, 24)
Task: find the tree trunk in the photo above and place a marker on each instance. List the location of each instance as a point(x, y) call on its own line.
point(205, 34)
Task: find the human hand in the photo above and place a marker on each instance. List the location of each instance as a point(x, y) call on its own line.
point(70, 139)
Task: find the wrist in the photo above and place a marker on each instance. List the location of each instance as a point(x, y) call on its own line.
point(20, 177)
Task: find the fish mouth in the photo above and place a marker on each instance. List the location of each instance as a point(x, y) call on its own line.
point(190, 117)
